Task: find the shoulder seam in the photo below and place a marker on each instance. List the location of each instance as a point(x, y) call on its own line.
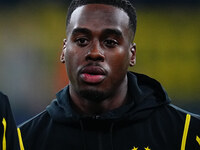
point(185, 111)
point(31, 119)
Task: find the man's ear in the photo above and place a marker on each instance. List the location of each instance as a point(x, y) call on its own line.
point(62, 56)
point(133, 54)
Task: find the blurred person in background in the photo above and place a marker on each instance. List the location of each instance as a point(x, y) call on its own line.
point(105, 106)
point(8, 130)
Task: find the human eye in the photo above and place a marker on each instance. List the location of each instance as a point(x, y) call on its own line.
point(111, 43)
point(81, 41)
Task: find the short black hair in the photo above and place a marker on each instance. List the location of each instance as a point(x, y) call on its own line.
point(122, 4)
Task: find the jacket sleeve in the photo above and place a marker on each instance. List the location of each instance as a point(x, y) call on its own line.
point(8, 132)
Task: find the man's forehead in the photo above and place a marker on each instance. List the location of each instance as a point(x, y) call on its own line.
point(96, 6)
point(98, 13)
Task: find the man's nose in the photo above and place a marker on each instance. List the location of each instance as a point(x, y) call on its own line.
point(95, 53)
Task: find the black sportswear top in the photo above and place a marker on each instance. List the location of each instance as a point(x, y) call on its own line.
point(147, 122)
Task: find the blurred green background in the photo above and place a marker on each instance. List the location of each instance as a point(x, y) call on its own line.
point(31, 34)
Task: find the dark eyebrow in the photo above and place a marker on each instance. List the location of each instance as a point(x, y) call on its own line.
point(115, 32)
point(86, 31)
point(81, 30)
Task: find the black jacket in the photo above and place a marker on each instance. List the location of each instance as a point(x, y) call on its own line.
point(8, 129)
point(147, 122)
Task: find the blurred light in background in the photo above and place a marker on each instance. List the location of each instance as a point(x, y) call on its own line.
point(31, 35)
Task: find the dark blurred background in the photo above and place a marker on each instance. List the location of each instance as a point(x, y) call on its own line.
point(31, 34)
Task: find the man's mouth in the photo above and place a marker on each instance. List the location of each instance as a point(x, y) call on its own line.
point(93, 74)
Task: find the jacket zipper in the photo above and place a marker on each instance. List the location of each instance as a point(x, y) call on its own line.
point(100, 142)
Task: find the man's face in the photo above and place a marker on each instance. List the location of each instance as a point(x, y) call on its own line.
point(98, 50)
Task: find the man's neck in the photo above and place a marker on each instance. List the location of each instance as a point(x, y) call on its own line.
point(87, 107)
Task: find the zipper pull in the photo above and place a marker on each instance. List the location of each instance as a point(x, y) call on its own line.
point(96, 117)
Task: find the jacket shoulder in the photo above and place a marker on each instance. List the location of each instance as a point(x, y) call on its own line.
point(183, 112)
point(4, 103)
point(191, 132)
point(31, 126)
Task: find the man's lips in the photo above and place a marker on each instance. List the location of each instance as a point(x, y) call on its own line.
point(93, 74)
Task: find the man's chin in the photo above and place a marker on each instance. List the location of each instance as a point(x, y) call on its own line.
point(94, 95)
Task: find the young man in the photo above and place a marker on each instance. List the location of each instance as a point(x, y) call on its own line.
point(105, 107)
point(8, 131)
